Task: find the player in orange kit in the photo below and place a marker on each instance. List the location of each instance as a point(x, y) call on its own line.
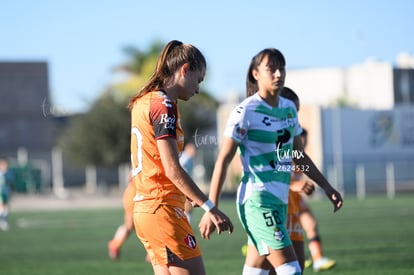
point(301, 217)
point(124, 230)
point(295, 205)
point(162, 185)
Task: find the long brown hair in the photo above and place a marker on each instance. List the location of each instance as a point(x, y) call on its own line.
point(174, 54)
point(275, 60)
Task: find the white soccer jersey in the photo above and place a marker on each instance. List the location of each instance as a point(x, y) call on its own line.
point(265, 138)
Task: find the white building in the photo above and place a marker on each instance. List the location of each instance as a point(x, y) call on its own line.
point(371, 85)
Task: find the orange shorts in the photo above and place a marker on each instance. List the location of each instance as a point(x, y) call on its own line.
point(293, 224)
point(166, 235)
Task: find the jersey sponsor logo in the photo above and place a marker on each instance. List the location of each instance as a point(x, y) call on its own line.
point(266, 121)
point(288, 122)
point(167, 101)
point(169, 122)
point(190, 241)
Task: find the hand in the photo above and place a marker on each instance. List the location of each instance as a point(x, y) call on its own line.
point(335, 198)
point(193, 203)
point(302, 186)
point(308, 188)
point(214, 219)
point(206, 226)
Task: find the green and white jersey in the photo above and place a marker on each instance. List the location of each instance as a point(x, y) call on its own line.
point(265, 138)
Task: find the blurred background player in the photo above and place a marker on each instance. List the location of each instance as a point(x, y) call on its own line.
point(4, 195)
point(293, 224)
point(300, 215)
point(124, 230)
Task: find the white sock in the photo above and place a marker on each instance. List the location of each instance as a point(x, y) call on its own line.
point(290, 268)
point(248, 270)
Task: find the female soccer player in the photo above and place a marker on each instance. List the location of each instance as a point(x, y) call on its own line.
point(265, 129)
point(162, 185)
point(124, 230)
point(300, 216)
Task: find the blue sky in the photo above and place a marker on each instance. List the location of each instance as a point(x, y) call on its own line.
point(82, 40)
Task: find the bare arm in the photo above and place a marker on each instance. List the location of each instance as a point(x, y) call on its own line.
point(226, 154)
point(169, 157)
point(170, 161)
point(314, 174)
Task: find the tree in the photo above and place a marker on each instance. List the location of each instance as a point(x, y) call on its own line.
point(102, 135)
point(198, 114)
point(138, 68)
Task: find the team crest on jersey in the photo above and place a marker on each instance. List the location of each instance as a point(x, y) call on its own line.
point(278, 234)
point(190, 241)
point(239, 130)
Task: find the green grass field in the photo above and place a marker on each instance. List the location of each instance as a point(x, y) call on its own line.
point(373, 236)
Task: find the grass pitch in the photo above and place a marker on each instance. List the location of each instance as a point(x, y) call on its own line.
point(372, 236)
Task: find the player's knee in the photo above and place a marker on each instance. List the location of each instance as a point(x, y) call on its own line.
point(290, 268)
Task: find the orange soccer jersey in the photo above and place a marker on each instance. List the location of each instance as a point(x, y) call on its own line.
point(154, 116)
point(295, 204)
point(159, 218)
point(293, 224)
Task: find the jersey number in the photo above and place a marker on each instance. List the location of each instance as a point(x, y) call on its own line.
point(272, 217)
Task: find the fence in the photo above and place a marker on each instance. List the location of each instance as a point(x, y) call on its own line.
point(51, 172)
point(365, 179)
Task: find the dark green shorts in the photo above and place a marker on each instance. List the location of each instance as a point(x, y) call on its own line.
point(5, 194)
